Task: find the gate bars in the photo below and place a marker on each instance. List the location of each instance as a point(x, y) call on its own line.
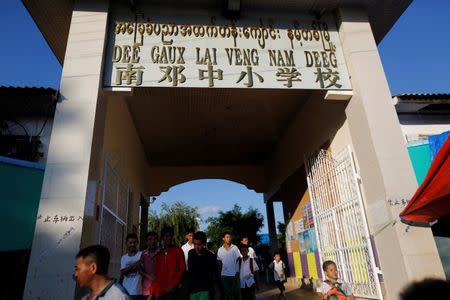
point(341, 228)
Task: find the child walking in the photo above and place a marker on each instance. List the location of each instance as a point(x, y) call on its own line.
point(279, 274)
point(333, 288)
point(248, 274)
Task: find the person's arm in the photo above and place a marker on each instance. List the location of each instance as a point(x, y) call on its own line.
point(131, 268)
point(180, 270)
point(320, 296)
point(351, 297)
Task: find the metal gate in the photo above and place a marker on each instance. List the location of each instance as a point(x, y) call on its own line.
point(113, 213)
point(341, 227)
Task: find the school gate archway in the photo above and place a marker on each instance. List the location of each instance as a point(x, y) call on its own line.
point(174, 93)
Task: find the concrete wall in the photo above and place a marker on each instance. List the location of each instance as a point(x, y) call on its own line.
point(63, 196)
point(383, 161)
point(124, 148)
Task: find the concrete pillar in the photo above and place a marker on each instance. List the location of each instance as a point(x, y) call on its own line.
point(61, 210)
point(383, 161)
point(272, 226)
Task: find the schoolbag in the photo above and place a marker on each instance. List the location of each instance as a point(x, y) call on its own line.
point(336, 292)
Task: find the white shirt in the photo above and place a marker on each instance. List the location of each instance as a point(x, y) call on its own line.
point(186, 248)
point(229, 259)
point(325, 287)
point(278, 268)
point(132, 281)
point(251, 252)
point(114, 291)
point(245, 273)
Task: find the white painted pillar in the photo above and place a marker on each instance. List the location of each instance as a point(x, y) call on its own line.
point(384, 164)
point(59, 223)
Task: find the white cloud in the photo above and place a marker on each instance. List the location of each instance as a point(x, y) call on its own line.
point(208, 211)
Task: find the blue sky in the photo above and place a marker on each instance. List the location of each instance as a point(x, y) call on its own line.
point(415, 56)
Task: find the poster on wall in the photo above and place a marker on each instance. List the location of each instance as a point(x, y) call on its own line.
point(309, 239)
point(288, 246)
point(289, 232)
point(301, 240)
point(299, 226)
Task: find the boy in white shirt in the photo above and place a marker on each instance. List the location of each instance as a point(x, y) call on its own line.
point(130, 267)
point(333, 287)
point(248, 272)
point(227, 257)
point(279, 274)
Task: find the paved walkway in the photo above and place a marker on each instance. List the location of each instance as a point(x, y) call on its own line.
point(291, 294)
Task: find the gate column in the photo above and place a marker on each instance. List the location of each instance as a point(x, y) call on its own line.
point(60, 217)
point(271, 225)
point(383, 161)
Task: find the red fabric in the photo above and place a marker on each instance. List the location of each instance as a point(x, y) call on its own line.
point(170, 268)
point(432, 199)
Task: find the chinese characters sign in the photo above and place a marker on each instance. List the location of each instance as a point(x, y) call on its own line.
point(147, 51)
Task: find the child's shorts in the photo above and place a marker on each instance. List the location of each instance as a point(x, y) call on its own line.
point(280, 285)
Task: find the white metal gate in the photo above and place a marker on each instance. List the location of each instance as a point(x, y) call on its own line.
point(113, 213)
point(341, 227)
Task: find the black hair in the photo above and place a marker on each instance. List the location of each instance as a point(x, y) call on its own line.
point(242, 246)
point(151, 233)
point(244, 237)
point(189, 230)
point(167, 229)
point(98, 254)
point(131, 236)
point(326, 264)
point(200, 236)
point(225, 233)
point(429, 288)
point(276, 253)
point(209, 245)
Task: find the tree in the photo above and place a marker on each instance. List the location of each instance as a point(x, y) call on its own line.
point(238, 223)
point(281, 234)
point(179, 215)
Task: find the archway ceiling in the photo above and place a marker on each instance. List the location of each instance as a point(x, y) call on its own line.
point(193, 126)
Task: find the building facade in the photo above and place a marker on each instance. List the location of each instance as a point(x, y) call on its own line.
point(154, 94)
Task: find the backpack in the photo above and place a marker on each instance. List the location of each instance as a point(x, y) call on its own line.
point(336, 292)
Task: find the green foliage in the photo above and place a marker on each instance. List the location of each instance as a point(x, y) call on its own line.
point(281, 234)
point(238, 223)
point(179, 215)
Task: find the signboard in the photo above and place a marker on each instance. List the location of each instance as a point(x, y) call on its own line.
point(209, 52)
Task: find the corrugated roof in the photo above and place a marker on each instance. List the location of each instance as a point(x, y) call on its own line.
point(426, 96)
point(21, 90)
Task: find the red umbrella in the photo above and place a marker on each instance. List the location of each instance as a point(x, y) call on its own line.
point(432, 199)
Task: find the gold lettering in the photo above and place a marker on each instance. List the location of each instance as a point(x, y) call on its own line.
point(180, 57)
point(280, 59)
point(333, 59)
point(255, 57)
point(135, 56)
point(155, 54)
point(289, 58)
point(117, 54)
point(309, 59)
point(272, 57)
point(126, 54)
point(317, 62)
point(229, 55)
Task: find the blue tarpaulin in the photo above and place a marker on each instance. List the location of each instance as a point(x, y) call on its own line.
point(436, 142)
